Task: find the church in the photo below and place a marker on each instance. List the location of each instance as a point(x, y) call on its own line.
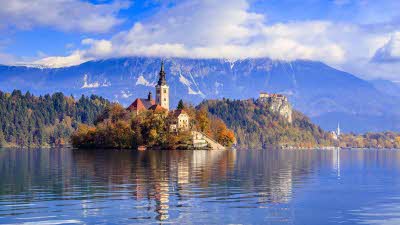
point(161, 104)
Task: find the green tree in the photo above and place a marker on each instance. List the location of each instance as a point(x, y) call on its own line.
point(180, 105)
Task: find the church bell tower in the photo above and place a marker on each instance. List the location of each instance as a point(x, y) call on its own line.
point(162, 89)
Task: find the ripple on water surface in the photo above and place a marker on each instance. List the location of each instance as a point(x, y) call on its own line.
point(203, 187)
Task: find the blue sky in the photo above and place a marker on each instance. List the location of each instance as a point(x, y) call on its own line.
point(362, 37)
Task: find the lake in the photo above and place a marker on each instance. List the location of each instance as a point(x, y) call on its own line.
point(65, 186)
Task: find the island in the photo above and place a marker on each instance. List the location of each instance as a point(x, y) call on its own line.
point(149, 123)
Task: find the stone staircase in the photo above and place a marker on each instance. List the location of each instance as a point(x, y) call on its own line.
point(202, 140)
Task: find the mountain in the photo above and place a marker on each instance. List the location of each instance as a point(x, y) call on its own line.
point(388, 87)
point(325, 94)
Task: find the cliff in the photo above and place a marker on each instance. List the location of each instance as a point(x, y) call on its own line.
point(278, 104)
point(262, 123)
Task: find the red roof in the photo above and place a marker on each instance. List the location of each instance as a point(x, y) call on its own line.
point(141, 104)
point(157, 108)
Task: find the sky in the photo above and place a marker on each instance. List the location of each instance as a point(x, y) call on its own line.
point(361, 37)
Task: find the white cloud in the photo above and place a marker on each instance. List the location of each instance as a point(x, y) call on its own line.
point(61, 14)
point(390, 51)
point(98, 48)
point(214, 29)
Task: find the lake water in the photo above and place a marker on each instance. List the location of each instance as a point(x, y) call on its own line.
point(308, 187)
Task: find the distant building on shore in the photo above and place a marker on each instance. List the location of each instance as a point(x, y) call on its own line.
point(336, 134)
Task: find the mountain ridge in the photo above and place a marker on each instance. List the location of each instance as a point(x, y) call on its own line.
point(313, 87)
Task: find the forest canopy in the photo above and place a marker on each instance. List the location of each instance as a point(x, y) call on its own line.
point(49, 120)
point(257, 127)
point(120, 128)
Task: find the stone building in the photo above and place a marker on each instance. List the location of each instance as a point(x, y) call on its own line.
point(181, 121)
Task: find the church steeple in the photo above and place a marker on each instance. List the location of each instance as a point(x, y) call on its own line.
point(162, 89)
point(161, 79)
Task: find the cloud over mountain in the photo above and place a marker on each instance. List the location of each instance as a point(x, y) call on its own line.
point(215, 29)
point(60, 14)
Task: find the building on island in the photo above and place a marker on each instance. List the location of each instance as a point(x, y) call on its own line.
point(180, 121)
point(161, 103)
point(177, 120)
point(142, 104)
point(162, 90)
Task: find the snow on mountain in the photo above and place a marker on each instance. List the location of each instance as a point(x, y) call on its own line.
point(142, 81)
point(325, 94)
point(96, 84)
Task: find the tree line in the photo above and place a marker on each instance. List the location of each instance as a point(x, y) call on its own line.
point(30, 121)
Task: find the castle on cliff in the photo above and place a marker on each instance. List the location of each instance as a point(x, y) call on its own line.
point(278, 103)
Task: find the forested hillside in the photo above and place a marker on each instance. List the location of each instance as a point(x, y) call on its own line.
point(256, 127)
point(49, 120)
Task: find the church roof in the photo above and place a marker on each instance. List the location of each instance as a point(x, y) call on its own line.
point(157, 108)
point(141, 104)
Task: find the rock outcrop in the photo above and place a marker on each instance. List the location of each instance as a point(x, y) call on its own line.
point(278, 104)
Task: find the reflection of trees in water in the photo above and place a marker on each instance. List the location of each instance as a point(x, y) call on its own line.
point(44, 170)
point(272, 175)
point(162, 177)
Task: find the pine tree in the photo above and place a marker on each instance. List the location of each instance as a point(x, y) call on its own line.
point(180, 105)
point(30, 121)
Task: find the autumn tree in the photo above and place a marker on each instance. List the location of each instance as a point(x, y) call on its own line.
point(202, 119)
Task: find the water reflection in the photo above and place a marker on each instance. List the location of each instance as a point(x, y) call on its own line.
point(276, 187)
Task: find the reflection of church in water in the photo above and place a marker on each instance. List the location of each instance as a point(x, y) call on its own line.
point(182, 170)
point(159, 181)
